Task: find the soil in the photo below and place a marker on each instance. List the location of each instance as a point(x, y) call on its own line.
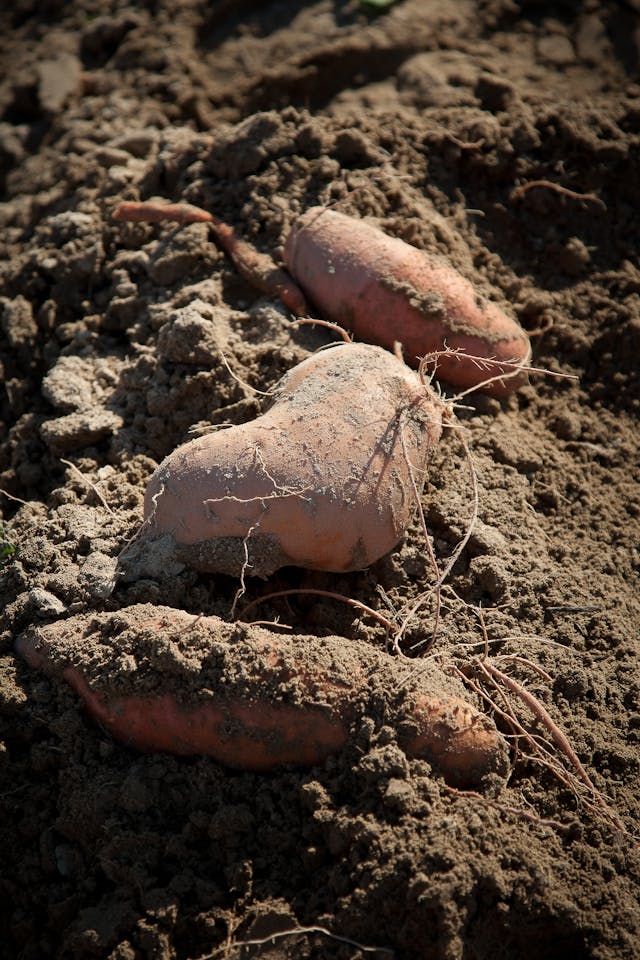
point(504, 136)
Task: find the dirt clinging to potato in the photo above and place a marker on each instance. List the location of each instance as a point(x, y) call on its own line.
point(428, 119)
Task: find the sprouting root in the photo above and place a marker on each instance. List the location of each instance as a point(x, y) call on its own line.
point(514, 369)
point(505, 696)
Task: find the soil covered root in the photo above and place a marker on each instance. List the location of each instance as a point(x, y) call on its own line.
point(160, 679)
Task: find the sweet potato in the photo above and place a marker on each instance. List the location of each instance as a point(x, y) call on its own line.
point(321, 480)
point(384, 290)
point(379, 287)
point(160, 679)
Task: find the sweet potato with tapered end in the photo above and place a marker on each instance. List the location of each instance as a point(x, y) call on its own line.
point(322, 480)
point(160, 679)
point(385, 290)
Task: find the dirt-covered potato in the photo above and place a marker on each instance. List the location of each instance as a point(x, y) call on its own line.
point(161, 679)
point(322, 480)
point(385, 290)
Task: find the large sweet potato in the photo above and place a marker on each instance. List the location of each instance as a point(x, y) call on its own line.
point(322, 480)
point(160, 679)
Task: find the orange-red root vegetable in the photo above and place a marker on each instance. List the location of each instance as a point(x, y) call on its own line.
point(321, 480)
point(160, 679)
point(384, 290)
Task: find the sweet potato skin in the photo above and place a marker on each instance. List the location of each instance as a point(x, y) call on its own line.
point(289, 706)
point(245, 735)
point(320, 481)
point(384, 290)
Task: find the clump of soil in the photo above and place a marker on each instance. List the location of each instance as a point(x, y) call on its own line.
point(429, 118)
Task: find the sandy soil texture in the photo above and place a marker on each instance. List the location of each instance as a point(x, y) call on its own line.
point(502, 135)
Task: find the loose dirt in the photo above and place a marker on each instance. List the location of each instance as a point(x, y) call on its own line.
point(428, 118)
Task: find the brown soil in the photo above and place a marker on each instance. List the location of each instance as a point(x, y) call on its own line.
point(428, 118)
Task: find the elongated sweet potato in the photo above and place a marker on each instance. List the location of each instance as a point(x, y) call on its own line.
point(322, 480)
point(160, 679)
point(379, 287)
point(385, 290)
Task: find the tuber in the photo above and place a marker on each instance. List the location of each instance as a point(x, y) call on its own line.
point(160, 679)
point(384, 290)
point(322, 480)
